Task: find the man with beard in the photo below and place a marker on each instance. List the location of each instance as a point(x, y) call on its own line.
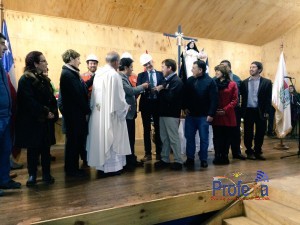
point(256, 94)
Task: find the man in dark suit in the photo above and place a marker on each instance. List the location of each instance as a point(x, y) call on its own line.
point(149, 105)
point(256, 94)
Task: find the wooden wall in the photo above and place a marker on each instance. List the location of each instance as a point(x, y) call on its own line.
point(53, 35)
point(291, 47)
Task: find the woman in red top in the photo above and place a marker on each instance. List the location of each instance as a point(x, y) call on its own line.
point(224, 120)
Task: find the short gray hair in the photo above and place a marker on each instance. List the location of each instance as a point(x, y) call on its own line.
point(112, 57)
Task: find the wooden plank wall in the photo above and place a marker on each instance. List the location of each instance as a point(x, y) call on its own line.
point(291, 46)
point(53, 35)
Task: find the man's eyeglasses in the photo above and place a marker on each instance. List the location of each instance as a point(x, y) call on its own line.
point(43, 61)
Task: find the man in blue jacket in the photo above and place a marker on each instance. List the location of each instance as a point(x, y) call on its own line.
point(5, 139)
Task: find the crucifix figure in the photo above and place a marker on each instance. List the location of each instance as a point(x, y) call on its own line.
point(179, 37)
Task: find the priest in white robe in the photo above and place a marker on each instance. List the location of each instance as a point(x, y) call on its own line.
point(108, 142)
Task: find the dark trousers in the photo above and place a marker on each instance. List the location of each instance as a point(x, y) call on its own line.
point(75, 142)
point(222, 139)
point(252, 118)
point(131, 159)
point(5, 150)
point(33, 155)
point(146, 118)
point(235, 140)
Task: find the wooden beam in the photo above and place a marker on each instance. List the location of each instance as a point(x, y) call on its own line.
point(151, 212)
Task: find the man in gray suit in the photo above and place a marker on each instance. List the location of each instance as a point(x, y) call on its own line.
point(125, 70)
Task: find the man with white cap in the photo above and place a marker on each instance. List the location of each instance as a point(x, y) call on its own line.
point(148, 105)
point(88, 77)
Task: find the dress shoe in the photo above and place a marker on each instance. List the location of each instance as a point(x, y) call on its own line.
point(11, 185)
point(77, 173)
point(176, 166)
point(251, 156)
point(204, 164)
point(260, 157)
point(158, 157)
point(31, 181)
point(1, 193)
point(101, 174)
point(146, 158)
point(221, 161)
point(84, 165)
point(133, 166)
point(189, 163)
point(48, 179)
point(239, 156)
point(161, 165)
point(217, 161)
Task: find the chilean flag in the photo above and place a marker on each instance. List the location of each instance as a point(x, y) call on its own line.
point(8, 59)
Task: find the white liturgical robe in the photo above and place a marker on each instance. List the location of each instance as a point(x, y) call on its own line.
point(108, 142)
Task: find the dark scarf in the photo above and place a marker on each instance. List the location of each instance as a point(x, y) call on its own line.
point(222, 84)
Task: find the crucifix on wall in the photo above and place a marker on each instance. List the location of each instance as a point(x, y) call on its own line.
point(179, 37)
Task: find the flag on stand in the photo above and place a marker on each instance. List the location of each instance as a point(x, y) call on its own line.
point(281, 100)
point(8, 59)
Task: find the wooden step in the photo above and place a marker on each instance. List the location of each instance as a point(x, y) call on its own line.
point(271, 212)
point(285, 191)
point(241, 220)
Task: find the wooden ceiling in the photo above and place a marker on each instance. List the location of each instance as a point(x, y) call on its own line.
point(245, 21)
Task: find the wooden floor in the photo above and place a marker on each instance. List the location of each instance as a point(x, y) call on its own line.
point(74, 196)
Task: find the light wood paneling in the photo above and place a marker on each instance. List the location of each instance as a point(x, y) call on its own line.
point(52, 36)
point(251, 22)
point(291, 48)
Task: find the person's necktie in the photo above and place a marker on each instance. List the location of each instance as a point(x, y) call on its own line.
point(151, 79)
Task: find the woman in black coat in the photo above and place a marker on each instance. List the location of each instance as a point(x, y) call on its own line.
point(75, 109)
point(36, 114)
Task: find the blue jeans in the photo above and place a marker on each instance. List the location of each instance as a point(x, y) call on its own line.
point(5, 150)
point(192, 124)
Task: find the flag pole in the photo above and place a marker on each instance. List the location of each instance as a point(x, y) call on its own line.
point(1, 13)
point(281, 145)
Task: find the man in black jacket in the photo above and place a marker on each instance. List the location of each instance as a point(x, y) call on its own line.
point(200, 104)
point(256, 94)
point(170, 100)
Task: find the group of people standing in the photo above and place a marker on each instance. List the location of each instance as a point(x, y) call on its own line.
point(99, 110)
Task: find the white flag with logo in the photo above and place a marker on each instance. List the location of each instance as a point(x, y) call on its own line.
point(281, 100)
